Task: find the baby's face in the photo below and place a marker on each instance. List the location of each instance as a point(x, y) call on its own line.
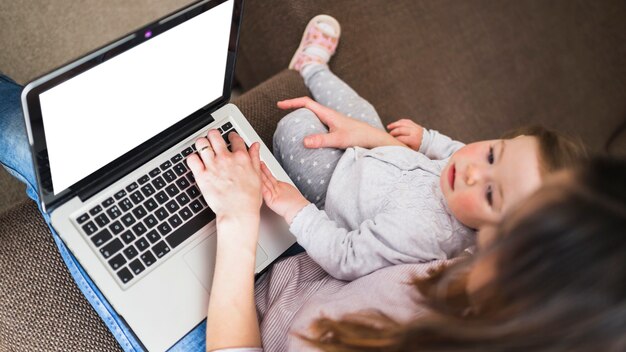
point(484, 179)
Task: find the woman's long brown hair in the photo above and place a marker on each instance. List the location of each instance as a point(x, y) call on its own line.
point(559, 285)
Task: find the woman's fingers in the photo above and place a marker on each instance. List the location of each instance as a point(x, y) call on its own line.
point(255, 156)
point(236, 142)
point(205, 151)
point(195, 164)
point(217, 142)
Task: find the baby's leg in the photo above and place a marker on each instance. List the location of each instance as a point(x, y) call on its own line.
point(329, 90)
point(310, 169)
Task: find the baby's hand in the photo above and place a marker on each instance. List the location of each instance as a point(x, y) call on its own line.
point(283, 198)
point(407, 132)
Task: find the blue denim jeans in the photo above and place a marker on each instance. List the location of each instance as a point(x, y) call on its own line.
point(16, 158)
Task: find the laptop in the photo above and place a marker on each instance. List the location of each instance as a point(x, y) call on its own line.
point(110, 133)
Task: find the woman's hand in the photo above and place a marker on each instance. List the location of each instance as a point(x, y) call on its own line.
point(283, 198)
point(407, 132)
point(230, 182)
point(343, 131)
point(231, 185)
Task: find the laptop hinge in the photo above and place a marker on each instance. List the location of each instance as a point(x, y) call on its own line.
point(142, 157)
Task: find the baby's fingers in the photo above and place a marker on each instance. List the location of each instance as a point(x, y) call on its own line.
point(265, 171)
point(400, 131)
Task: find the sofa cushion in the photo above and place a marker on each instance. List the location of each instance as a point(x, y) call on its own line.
point(472, 69)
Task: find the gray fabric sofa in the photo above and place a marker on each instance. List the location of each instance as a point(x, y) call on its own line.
point(472, 70)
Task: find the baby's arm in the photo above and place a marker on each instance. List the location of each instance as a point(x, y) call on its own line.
point(344, 254)
point(350, 254)
point(428, 142)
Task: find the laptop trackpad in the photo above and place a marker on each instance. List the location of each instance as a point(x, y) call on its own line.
point(201, 260)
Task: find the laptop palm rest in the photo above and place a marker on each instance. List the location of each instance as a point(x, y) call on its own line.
point(201, 260)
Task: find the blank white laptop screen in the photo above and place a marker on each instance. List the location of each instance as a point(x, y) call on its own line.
point(99, 115)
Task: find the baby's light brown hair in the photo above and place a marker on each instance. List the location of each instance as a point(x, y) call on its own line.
point(557, 151)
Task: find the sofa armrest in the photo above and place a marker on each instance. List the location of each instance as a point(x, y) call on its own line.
point(259, 104)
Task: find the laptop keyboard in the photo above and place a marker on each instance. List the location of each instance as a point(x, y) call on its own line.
point(141, 223)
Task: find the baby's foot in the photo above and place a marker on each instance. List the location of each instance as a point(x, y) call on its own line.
point(318, 43)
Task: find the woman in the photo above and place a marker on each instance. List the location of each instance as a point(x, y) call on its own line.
point(553, 278)
point(300, 306)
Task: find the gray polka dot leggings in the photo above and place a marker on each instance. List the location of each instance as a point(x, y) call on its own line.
point(311, 169)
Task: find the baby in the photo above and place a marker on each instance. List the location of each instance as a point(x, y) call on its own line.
point(369, 199)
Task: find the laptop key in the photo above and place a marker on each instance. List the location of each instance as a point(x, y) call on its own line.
point(164, 228)
point(95, 210)
point(161, 213)
point(227, 126)
point(175, 221)
point(139, 229)
point(127, 237)
point(81, 219)
point(191, 178)
point(148, 258)
point(150, 221)
point(169, 176)
point(101, 237)
point(180, 169)
point(125, 204)
point(161, 197)
point(193, 192)
point(130, 252)
point(108, 202)
point(189, 228)
point(158, 183)
point(187, 151)
point(125, 275)
point(90, 228)
point(102, 220)
point(116, 227)
point(117, 261)
point(154, 172)
point(172, 206)
point(139, 212)
point(143, 179)
point(183, 199)
point(176, 158)
point(185, 213)
point(166, 165)
point(137, 197)
point(150, 204)
point(182, 183)
point(196, 206)
point(114, 212)
point(153, 236)
point(119, 195)
point(136, 267)
point(133, 186)
point(172, 190)
point(128, 219)
point(142, 244)
point(111, 248)
point(225, 136)
point(160, 249)
point(147, 190)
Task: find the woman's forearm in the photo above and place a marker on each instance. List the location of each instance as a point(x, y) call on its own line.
point(231, 318)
